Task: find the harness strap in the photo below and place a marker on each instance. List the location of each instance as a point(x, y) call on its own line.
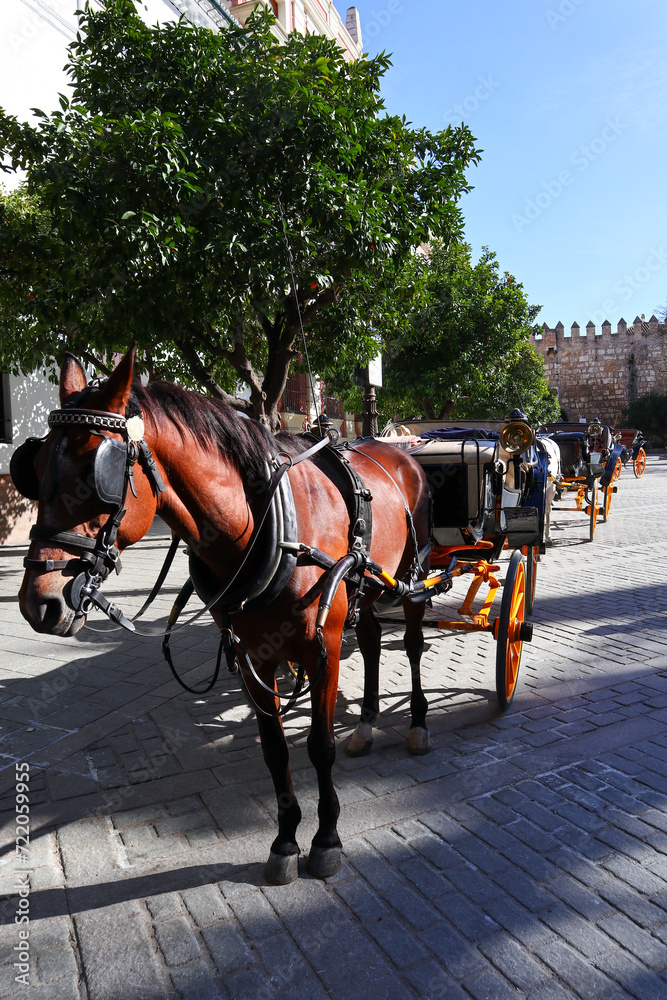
point(361, 512)
point(65, 539)
point(408, 514)
point(273, 486)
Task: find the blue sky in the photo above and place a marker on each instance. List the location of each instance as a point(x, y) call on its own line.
point(567, 98)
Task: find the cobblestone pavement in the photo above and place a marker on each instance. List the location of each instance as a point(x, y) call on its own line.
point(526, 855)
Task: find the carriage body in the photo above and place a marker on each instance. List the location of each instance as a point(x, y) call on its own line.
point(589, 455)
point(484, 499)
point(633, 444)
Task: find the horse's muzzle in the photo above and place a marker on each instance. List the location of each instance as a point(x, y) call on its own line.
point(48, 613)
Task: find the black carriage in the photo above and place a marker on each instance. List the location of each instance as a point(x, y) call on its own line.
point(588, 455)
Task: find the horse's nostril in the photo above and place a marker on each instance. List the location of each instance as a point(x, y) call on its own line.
point(53, 613)
point(44, 614)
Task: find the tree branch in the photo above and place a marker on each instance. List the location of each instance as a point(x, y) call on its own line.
point(201, 374)
point(95, 362)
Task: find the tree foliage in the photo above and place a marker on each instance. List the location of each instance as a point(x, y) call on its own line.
point(464, 351)
point(649, 414)
point(157, 195)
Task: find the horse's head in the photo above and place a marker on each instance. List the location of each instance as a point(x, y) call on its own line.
point(91, 467)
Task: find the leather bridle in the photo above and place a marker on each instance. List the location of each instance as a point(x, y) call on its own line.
point(99, 555)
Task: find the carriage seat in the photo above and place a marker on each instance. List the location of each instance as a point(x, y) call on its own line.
point(458, 475)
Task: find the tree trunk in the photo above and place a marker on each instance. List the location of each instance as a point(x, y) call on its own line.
point(427, 407)
point(446, 409)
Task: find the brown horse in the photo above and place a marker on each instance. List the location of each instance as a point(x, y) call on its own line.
point(207, 460)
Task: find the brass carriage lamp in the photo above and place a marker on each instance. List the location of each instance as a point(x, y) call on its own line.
point(517, 435)
point(594, 429)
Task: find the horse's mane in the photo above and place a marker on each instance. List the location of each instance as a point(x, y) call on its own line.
point(246, 443)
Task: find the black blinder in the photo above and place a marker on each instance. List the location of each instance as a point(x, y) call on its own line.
point(109, 471)
point(22, 468)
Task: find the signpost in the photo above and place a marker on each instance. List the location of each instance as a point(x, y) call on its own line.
point(371, 378)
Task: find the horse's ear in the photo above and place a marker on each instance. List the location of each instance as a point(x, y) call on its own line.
point(115, 393)
point(72, 378)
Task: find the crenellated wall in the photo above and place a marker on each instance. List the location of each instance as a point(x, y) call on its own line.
point(598, 372)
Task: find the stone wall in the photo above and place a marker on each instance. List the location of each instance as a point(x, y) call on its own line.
point(599, 372)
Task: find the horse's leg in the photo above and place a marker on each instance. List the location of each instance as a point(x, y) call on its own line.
point(325, 852)
point(369, 634)
point(283, 864)
point(419, 741)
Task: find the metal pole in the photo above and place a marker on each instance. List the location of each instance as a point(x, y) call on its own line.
point(370, 412)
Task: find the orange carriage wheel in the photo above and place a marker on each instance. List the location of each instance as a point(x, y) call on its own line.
point(617, 471)
point(511, 630)
point(639, 464)
point(607, 492)
point(593, 511)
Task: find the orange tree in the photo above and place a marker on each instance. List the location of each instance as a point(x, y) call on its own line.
point(464, 350)
point(156, 195)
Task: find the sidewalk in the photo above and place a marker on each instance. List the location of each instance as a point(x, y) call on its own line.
point(526, 855)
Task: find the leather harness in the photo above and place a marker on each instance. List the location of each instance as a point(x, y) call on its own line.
point(275, 533)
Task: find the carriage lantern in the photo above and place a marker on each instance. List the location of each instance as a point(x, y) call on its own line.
point(594, 428)
point(516, 437)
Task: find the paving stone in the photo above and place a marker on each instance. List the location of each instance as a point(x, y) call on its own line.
point(458, 957)
point(53, 965)
point(643, 945)
point(432, 982)
point(581, 934)
point(429, 881)
point(470, 920)
point(177, 941)
point(288, 971)
point(514, 962)
point(166, 905)
point(196, 980)
point(584, 980)
point(587, 903)
point(226, 947)
point(205, 904)
point(638, 877)
point(642, 911)
point(411, 907)
point(632, 976)
point(249, 984)
point(364, 903)
point(117, 949)
point(490, 986)
point(391, 936)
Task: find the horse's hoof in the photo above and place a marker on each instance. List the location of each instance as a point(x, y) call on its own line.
point(419, 741)
point(323, 862)
point(361, 741)
point(281, 869)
